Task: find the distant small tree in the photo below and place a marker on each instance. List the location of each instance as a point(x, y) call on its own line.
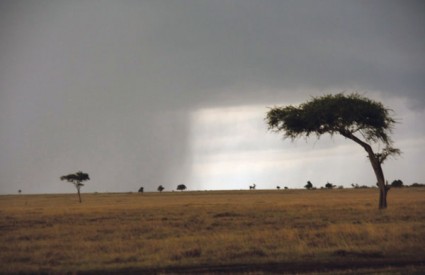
point(397, 183)
point(141, 189)
point(19, 191)
point(278, 187)
point(76, 179)
point(329, 185)
point(286, 188)
point(181, 187)
point(309, 185)
point(160, 188)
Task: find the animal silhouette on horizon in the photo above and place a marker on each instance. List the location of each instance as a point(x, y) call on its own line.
point(252, 187)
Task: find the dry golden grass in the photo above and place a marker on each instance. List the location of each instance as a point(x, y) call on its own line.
point(291, 230)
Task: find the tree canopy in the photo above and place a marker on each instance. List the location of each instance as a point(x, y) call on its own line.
point(340, 113)
point(397, 183)
point(181, 187)
point(329, 185)
point(353, 116)
point(309, 185)
point(76, 177)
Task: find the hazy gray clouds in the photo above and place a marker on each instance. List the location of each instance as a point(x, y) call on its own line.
point(111, 87)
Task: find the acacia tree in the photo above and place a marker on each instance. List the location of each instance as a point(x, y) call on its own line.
point(360, 119)
point(329, 185)
point(76, 179)
point(397, 183)
point(309, 185)
point(181, 187)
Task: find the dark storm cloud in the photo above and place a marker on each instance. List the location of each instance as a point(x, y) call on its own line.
point(185, 49)
point(110, 85)
point(210, 45)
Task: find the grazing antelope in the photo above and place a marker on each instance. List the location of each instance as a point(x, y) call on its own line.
point(252, 187)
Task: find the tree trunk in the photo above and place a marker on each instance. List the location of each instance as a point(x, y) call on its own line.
point(383, 188)
point(383, 197)
point(79, 195)
point(376, 165)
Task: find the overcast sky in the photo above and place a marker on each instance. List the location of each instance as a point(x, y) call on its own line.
point(143, 93)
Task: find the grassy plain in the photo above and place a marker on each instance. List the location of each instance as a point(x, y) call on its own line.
point(252, 232)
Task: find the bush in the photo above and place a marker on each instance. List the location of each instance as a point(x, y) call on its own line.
point(417, 185)
point(181, 187)
point(329, 185)
point(309, 185)
point(397, 183)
